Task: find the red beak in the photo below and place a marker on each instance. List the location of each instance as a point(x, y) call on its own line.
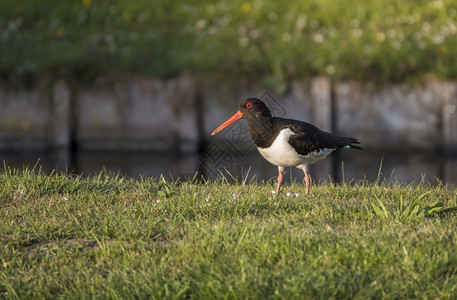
point(232, 119)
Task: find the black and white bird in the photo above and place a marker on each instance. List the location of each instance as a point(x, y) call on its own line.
point(286, 142)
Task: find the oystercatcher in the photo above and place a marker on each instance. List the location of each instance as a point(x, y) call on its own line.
point(286, 142)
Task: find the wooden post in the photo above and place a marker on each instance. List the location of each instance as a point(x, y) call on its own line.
point(60, 116)
point(321, 97)
point(449, 119)
point(321, 116)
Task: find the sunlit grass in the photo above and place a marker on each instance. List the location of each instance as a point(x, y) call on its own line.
point(109, 236)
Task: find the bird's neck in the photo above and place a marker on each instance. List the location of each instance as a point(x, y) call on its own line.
point(261, 130)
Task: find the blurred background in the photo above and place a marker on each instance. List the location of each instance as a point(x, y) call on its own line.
point(137, 86)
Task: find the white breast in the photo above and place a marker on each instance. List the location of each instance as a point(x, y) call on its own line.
point(281, 153)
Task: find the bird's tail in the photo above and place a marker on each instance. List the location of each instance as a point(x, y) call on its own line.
point(345, 142)
point(352, 141)
point(355, 147)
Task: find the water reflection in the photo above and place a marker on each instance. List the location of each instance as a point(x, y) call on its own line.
point(341, 165)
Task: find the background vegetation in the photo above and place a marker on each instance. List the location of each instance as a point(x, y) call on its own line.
point(64, 236)
point(385, 40)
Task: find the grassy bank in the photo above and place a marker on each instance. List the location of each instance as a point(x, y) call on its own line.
point(372, 40)
point(75, 238)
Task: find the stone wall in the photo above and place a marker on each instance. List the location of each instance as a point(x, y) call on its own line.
point(138, 114)
point(163, 114)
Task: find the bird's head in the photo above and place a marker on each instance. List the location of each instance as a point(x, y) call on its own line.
point(250, 108)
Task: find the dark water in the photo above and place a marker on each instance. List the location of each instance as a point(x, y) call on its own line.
point(341, 165)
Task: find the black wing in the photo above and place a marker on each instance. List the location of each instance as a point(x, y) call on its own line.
point(308, 138)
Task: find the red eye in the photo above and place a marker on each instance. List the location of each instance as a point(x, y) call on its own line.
point(249, 105)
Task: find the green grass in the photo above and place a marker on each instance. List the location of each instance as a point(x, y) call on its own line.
point(70, 237)
point(372, 40)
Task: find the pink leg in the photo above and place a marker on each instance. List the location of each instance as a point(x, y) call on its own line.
point(307, 181)
point(280, 176)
